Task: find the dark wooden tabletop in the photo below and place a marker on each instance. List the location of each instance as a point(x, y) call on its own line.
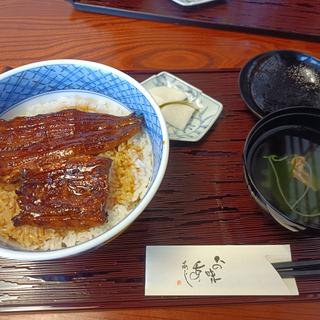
point(37, 30)
point(291, 18)
point(202, 200)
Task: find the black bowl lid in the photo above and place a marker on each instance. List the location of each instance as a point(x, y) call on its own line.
point(280, 79)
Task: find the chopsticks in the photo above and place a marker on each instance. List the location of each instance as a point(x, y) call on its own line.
point(302, 268)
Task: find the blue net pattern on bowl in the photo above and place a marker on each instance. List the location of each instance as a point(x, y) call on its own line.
point(39, 80)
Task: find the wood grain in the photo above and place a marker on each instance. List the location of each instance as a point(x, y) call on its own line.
point(215, 208)
point(36, 30)
point(40, 30)
point(282, 17)
point(271, 311)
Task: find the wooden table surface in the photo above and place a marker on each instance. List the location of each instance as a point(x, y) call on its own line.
point(36, 30)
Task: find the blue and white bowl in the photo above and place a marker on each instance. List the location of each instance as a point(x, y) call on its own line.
point(36, 79)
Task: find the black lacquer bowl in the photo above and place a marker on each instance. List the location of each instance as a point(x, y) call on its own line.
point(280, 79)
point(282, 166)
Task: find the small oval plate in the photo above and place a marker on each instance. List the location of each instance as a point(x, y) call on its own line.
point(208, 111)
point(188, 3)
point(280, 79)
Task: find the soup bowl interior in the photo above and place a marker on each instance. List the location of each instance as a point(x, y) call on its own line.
point(22, 87)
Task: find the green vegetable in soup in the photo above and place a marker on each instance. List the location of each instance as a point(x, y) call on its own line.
point(294, 184)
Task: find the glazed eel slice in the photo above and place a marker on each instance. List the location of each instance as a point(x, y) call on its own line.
point(72, 194)
point(33, 142)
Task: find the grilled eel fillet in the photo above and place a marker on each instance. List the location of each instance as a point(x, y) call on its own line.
point(71, 194)
point(34, 142)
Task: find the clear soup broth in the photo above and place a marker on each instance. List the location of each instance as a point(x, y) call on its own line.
point(285, 168)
